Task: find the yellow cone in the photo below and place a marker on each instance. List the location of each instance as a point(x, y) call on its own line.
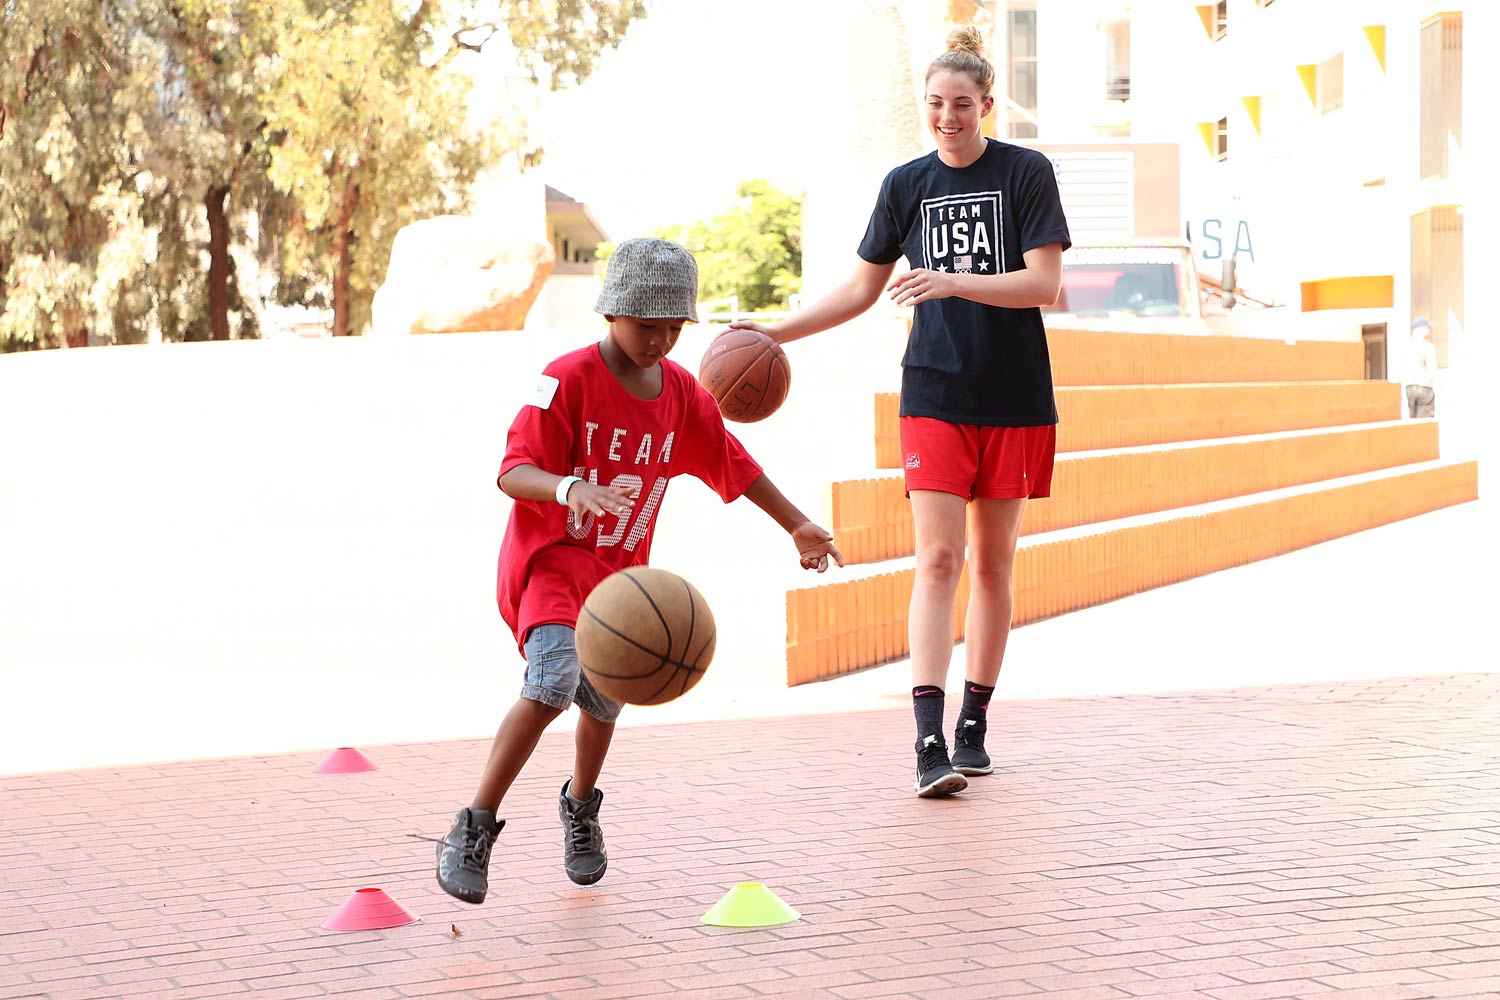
point(749, 904)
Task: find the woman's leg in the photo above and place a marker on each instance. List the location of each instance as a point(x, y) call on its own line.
point(939, 519)
point(994, 527)
point(939, 527)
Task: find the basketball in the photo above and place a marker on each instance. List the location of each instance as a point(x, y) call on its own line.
point(645, 636)
point(747, 373)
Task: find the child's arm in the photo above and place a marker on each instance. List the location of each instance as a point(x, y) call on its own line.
point(814, 545)
point(527, 482)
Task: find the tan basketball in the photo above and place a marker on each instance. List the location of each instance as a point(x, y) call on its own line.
point(645, 636)
point(747, 373)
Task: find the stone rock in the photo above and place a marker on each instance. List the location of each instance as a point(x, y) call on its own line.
point(456, 274)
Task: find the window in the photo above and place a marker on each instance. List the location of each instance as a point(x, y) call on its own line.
point(1221, 139)
point(1441, 82)
point(1330, 84)
point(1020, 29)
point(1117, 61)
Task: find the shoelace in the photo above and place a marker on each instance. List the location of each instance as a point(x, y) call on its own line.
point(971, 736)
point(475, 852)
point(580, 835)
point(931, 755)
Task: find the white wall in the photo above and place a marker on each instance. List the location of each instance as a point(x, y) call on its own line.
point(248, 546)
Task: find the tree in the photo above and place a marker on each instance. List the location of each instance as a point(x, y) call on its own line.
point(754, 250)
point(372, 122)
point(306, 131)
point(75, 115)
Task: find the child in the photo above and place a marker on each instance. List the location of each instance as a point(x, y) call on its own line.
point(587, 461)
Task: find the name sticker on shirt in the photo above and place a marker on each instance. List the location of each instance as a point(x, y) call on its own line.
point(542, 391)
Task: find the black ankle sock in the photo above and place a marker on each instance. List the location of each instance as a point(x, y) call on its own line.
point(976, 701)
point(927, 702)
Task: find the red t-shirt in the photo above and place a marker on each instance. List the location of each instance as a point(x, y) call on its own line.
point(592, 427)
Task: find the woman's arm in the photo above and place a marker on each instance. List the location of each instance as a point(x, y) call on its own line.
point(1037, 284)
point(840, 305)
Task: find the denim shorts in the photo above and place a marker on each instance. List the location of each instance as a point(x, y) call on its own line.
point(554, 677)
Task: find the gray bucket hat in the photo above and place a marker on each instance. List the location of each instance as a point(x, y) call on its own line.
point(650, 278)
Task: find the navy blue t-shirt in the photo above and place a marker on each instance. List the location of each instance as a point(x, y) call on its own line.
point(965, 362)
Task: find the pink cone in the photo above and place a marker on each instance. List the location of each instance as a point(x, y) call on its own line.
point(344, 760)
point(368, 910)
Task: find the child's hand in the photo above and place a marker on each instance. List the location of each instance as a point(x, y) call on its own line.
point(585, 498)
point(815, 545)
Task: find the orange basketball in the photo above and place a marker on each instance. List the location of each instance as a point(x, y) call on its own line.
point(645, 636)
point(747, 372)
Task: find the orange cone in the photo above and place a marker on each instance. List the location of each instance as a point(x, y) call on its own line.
point(368, 910)
point(344, 760)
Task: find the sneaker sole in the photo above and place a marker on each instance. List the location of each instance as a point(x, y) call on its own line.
point(588, 879)
point(946, 785)
point(461, 895)
point(971, 770)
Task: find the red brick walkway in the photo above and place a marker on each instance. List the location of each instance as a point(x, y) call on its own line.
point(1318, 841)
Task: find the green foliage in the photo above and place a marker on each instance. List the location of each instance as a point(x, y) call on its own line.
point(151, 148)
point(754, 250)
point(75, 111)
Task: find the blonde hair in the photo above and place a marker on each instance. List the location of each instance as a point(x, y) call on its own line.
point(966, 55)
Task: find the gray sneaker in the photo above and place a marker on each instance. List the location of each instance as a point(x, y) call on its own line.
point(969, 756)
point(463, 857)
point(583, 842)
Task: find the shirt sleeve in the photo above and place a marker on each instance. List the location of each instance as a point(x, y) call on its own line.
point(882, 241)
point(1039, 206)
point(542, 435)
point(712, 454)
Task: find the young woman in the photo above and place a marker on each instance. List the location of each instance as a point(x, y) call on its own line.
point(982, 227)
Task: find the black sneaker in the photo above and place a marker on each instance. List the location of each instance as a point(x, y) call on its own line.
point(583, 842)
point(935, 775)
point(463, 857)
point(968, 748)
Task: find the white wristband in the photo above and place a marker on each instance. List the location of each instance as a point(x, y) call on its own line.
point(564, 485)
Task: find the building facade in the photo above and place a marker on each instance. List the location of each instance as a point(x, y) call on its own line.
point(1322, 142)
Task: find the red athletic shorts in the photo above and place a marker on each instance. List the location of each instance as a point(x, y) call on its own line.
point(997, 463)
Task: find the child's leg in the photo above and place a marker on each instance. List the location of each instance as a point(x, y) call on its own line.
point(551, 679)
point(590, 746)
point(584, 857)
point(514, 743)
point(995, 525)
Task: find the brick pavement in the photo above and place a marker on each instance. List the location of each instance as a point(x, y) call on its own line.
point(1329, 840)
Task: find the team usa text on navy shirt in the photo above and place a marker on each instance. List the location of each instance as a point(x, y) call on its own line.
point(967, 362)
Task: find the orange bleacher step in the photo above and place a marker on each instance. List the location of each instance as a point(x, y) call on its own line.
point(1106, 416)
point(1089, 357)
point(872, 517)
point(839, 627)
